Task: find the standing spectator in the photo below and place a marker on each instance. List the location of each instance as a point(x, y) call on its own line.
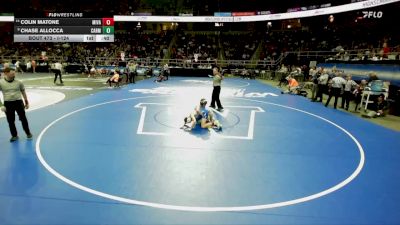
point(282, 72)
point(306, 72)
point(18, 66)
point(337, 85)
point(28, 66)
point(314, 82)
point(6, 65)
point(217, 79)
point(322, 84)
point(12, 90)
point(348, 86)
point(166, 71)
point(33, 65)
point(57, 72)
point(385, 50)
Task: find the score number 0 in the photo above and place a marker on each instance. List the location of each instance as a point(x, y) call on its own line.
point(108, 25)
point(108, 21)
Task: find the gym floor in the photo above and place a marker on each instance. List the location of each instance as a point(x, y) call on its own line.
point(118, 156)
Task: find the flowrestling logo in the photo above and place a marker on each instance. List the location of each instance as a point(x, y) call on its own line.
point(64, 15)
point(372, 3)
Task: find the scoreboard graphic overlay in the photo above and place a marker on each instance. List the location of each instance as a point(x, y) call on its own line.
point(64, 27)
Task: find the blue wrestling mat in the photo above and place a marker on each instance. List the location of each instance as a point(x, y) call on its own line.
point(119, 157)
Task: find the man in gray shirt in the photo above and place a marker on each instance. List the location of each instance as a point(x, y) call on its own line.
point(13, 91)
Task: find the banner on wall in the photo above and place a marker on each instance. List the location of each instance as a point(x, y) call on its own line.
point(386, 72)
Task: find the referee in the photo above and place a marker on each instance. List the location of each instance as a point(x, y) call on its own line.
point(217, 78)
point(12, 90)
point(57, 72)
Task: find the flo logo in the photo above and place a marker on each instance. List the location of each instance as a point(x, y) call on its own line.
point(372, 14)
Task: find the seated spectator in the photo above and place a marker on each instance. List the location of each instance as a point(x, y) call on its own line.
point(115, 79)
point(245, 74)
point(292, 85)
point(282, 72)
point(379, 108)
point(372, 76)
point(92, 72)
